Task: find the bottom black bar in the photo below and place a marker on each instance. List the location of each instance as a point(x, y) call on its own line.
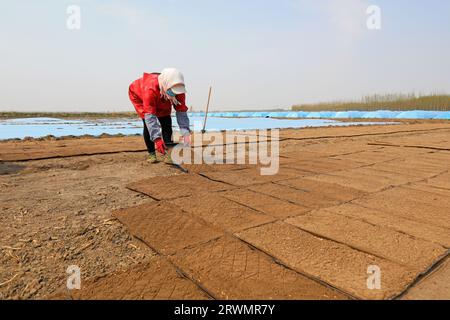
point(218, 309)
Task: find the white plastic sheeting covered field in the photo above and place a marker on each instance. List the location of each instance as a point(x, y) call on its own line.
point(41, 127)
point(380, 114)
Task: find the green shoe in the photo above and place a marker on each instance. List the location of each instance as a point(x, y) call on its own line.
point(168, 158)
point(152, 158)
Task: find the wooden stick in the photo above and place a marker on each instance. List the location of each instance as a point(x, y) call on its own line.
point(207, 109)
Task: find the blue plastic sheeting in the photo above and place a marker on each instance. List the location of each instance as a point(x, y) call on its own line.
point(41, 127)
point(380, 114)
point(218, 124)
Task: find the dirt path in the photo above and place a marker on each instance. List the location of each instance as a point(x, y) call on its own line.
point(345, 199)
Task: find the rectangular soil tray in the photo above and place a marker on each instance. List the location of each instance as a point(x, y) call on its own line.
point(172, 187)
point(230, 269)
point(164, 227)
point(222, 212)
point(272, 206)
point(156, 280)
point(384, 242)
point(414, 228)
point(334, 263)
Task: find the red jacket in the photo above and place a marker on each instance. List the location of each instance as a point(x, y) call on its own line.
point(146, 97)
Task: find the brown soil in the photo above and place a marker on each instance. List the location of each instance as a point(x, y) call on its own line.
point(335, 263)
point(435, 286)
point(408, 207)
point(384, 242)
point(56, 213)
point(155, 280)
point(265, 204)
point(35, 149)
point(312, 200)
point(405, 224)
point(165, 227)
point(230, 269)
point(222, 212)
point(344, 199)
point(176, 186)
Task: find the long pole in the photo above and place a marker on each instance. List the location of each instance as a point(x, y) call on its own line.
point(207, 109)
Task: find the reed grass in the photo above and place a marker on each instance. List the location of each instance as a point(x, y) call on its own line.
point(394, 102)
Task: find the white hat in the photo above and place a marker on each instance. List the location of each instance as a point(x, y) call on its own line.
point(179, 89)
point(171, 78)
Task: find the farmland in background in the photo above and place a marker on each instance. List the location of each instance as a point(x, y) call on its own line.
point(67, 115)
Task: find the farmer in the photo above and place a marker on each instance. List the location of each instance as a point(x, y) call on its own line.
point(153, 97)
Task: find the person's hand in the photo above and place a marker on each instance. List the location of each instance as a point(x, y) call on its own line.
point(160, 146)
point(187, 140)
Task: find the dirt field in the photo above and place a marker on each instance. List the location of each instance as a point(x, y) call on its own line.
point(345, 199)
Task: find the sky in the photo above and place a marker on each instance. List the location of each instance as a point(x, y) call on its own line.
point(256, 54)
